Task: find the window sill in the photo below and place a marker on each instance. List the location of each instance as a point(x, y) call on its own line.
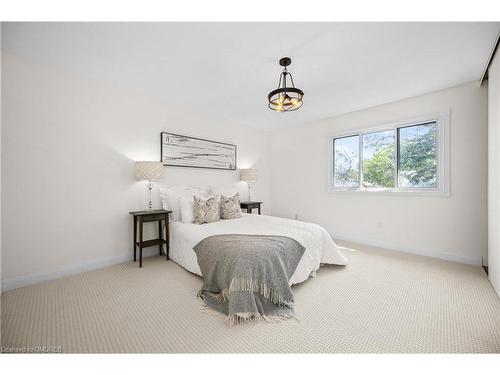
point(394, 192)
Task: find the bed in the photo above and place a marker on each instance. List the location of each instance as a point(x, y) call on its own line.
point(319, 247)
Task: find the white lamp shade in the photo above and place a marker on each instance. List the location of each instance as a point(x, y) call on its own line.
point(148, 170)
point(248, 175)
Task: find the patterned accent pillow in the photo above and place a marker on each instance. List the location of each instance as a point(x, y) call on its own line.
point(230, 207)
point(206, 210)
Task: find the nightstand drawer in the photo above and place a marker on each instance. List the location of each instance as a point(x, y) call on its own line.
point(154, 217)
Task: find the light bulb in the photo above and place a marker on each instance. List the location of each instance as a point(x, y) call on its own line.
point(296, 102)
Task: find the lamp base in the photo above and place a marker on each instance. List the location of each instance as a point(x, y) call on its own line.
point(150, 204)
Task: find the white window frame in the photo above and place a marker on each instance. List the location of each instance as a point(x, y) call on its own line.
point(443, 157)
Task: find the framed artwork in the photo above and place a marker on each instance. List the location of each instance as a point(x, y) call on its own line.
point(183, 151)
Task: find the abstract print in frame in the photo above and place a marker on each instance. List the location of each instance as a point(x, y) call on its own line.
point(183, 151)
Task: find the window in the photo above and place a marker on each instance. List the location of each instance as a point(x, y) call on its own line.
point(347, 161)
point(409, 157)
point(379, 159)
point(417, 161)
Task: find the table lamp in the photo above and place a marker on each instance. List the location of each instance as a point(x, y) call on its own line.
point(249, 176)
point(149, 171)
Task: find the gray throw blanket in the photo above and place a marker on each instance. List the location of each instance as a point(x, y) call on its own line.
point(246, 277)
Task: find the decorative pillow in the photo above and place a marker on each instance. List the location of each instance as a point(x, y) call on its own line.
point(187, 210)
point(206, 210)
point(230, 207)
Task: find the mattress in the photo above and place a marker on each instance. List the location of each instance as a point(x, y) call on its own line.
point(319, 247)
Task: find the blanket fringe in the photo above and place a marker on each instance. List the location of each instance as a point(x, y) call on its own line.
point(242, 318)
point(254, 317)
point(251, 285)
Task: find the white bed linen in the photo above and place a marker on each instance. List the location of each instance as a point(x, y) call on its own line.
point(319, 247)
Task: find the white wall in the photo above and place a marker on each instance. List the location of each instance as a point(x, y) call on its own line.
point(451, 227)
point(68, 150)
point(493, 172)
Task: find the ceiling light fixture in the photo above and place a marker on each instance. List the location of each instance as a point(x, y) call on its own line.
point(284, 98)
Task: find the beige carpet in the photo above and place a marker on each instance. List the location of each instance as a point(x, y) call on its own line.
point(382, 302)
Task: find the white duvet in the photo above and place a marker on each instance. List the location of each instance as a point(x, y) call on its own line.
point(319, 247)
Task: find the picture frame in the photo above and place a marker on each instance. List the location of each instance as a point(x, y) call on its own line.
point(185, 151)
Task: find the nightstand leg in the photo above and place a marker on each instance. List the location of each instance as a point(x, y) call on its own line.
point(259, 209)
point(167, 236)
point(135, 237)
point(249, 211)
point(160, 234)
point(140, 241)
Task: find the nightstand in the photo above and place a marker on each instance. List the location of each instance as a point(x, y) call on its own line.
point(250, 205)
point(141, 217)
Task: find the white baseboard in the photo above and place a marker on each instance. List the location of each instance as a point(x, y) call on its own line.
point(20, 281)
point(433, 253)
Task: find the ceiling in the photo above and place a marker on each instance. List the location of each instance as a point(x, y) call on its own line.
point(225, 70)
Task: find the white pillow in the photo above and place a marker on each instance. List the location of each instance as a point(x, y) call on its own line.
point(170, 198)
point(187, 210)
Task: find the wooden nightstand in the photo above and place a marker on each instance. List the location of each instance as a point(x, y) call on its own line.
point(250, 205)
point(142, 217)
